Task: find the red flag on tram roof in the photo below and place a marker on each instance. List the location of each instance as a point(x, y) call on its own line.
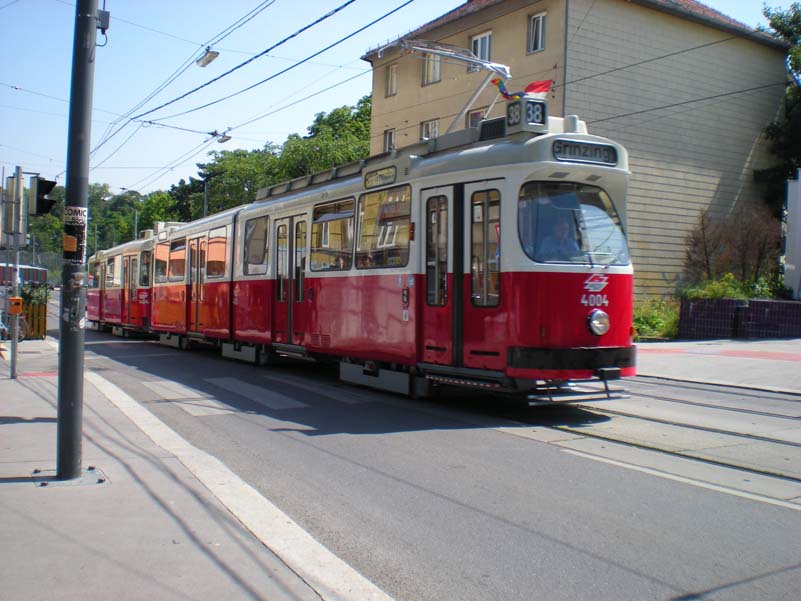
point(539, 87)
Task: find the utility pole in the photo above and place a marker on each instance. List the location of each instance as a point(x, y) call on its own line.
point(15, 271)
point(73, 274)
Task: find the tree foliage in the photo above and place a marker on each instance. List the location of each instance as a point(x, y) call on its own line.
point(785, 133)
point(229, 178)
point(746, 243)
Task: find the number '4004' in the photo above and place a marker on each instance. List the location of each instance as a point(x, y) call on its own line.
point(594, 300)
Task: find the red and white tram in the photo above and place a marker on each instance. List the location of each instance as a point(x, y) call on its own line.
point(492, 257)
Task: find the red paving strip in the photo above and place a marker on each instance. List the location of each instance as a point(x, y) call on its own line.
point(40, 374)
point(767, 355)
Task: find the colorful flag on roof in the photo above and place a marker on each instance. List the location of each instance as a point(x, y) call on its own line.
point(537, 88)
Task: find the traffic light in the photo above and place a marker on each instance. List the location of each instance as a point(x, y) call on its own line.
point(38, 202)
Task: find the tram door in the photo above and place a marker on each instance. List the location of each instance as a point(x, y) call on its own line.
point(291, 300)
point(197, 277)
point(462, 320)
point(439, 320)
point(131, 304)
point(125, 299)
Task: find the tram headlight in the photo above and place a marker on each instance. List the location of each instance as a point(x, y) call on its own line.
point(598, 322)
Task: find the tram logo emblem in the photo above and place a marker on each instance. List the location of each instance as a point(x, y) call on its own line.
point(596, 283)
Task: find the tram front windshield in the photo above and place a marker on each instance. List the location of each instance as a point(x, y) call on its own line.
point(565, 222)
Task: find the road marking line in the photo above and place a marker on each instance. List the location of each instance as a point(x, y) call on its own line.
point(327, 574)
point(691, 482)
point(263, 396)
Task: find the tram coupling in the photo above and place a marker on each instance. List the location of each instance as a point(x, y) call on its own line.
point(581, 391)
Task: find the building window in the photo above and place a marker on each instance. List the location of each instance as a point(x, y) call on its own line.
point(536, 33)
point(432, 69)
point(392, 80)
point(389, 140)
point(481, 45)
point(429, 129)
point(474, 118)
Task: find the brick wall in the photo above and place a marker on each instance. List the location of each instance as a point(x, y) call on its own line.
point(726, 318)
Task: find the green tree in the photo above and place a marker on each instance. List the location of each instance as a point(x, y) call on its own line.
point(336, 138)
point(785, 133)
point(156, 206)
point(234, 177)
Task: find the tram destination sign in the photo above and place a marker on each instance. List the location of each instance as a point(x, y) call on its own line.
point(584, 152)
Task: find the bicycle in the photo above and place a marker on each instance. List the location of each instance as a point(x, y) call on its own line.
point(23, 330)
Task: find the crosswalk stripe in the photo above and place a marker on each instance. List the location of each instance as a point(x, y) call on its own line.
point(269, 398)
point(343, 396)
point(194, 402)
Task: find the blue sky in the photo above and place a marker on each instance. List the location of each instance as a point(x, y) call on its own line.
point(149, 40)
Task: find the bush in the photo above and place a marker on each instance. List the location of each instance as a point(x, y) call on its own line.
point(728, 286)
point(34, 294)
point(656, 318)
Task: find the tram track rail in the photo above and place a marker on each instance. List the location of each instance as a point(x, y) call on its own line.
point(697, 454)
point(683, 454)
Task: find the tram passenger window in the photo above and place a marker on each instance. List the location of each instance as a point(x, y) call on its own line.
point(93, 281)
point(332, 236)
point(437, 250)
point(282, 263)
point(485, 237)
point(114, 272)
point(255, 260)
point(384, 219)
point(300, 259)
point(565, 222)
point(177, 267)
point(216, 254)
point(160, 262)
point(144, 269)
point(132, 278)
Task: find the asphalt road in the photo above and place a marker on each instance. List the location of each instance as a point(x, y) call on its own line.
point(472, 499)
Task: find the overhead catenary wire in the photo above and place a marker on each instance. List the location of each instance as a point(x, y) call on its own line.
point(108, 134)
point(250, 60)
point(297, 64)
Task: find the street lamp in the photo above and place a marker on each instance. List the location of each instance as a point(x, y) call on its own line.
point(208, 56)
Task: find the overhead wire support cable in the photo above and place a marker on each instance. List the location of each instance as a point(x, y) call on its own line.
point(250, 60)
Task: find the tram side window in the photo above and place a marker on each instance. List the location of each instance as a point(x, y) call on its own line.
point(177, 267)
point(114, 272)
point(282, 263)
point(384, 218)
point(144, 269)
point(437, 250)
point(215, 256)
point(485, 261)
point(332, 236)
point(160, 262)
point(94, 276)
point(255, 262)
point(300, 259)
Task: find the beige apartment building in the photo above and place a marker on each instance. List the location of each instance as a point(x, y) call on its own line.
point(686, 89)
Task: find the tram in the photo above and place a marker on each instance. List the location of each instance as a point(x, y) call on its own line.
point(492, 257)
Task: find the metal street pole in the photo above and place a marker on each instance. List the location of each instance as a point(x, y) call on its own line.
point(15, 271)
point(73, 275)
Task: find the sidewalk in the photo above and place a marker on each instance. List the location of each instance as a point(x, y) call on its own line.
point(139, 526)
point(772, 365)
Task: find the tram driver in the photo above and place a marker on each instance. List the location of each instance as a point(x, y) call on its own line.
point(560, 245)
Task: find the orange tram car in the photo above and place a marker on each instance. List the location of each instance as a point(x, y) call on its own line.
point(493, 257)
